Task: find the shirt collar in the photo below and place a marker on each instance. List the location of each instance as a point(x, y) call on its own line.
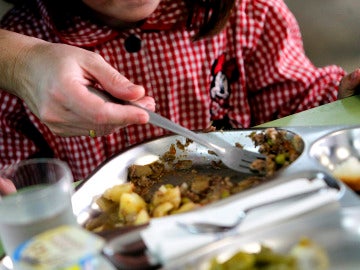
point(169, 14)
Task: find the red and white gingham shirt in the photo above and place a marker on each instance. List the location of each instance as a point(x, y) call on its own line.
point(261, 41)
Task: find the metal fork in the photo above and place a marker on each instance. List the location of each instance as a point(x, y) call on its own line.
point(233, 157)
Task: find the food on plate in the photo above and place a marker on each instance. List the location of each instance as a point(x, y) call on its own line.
point(280, 151)
point(309, 255)
point(348, 171)
point(121, 205)
point(264, 259)
point(305, 255)
point(173, 184)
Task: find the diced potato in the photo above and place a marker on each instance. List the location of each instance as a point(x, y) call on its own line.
point(131, 204)
point(114, 193)
point(185, 207)
point(162, 209)
point(167, 194)
point(142, 217)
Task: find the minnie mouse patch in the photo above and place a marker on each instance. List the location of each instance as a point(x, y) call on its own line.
point(223, 74)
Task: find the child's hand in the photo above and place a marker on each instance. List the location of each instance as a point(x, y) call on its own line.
point(350, 84)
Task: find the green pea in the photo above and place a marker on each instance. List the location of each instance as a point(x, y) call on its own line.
point(280, 159)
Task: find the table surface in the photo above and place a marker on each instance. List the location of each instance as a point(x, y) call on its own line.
point(341, 112)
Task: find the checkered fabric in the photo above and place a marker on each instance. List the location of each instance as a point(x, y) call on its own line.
point(273, 78)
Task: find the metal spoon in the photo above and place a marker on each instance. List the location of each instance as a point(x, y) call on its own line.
point(205, 227)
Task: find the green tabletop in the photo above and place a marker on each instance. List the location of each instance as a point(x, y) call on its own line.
point(341, 112)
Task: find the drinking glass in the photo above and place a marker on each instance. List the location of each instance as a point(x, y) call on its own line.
point(35, 196)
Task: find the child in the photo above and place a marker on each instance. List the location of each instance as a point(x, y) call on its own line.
point(226, 63)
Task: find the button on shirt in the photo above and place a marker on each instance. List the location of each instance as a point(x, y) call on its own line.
point(252, 72)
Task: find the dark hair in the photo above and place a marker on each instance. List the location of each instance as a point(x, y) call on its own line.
point(213, 14)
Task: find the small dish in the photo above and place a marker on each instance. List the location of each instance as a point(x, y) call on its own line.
point(339, 153)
